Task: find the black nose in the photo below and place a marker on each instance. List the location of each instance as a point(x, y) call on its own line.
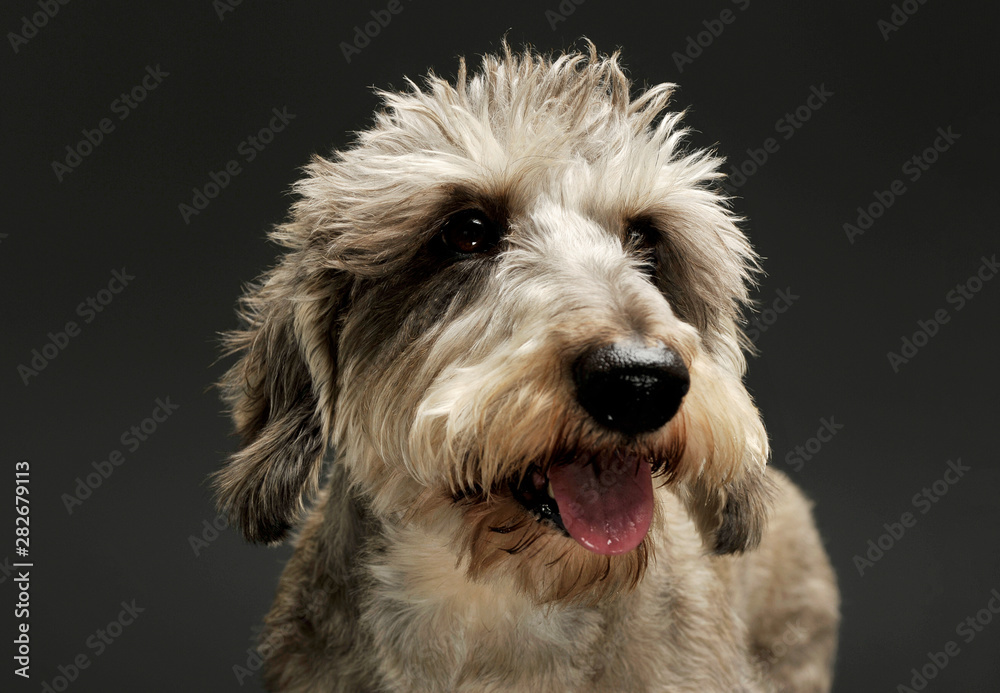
point(631, 388)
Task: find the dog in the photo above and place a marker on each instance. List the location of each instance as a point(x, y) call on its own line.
point(512, 310)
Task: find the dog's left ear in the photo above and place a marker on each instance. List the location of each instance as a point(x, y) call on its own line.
point(722, 475)
point(732, 516)
point(280, 394)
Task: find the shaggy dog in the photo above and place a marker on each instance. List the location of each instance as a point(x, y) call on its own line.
point(512, 310)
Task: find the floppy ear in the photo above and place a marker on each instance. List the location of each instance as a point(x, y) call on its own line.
point(280, 394)
point(722, 473)
point(732, 516)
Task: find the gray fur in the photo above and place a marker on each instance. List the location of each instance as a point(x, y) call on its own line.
point(438, 381)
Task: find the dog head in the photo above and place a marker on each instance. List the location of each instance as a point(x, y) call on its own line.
point(513, 307)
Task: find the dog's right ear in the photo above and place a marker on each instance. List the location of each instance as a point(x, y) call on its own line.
point(281, 395)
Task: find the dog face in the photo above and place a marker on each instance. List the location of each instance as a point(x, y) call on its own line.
point(513, 309)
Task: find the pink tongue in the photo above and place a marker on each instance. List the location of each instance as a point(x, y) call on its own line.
point(607, 504)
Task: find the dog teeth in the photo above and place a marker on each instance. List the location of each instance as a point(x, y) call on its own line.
point(548, 489)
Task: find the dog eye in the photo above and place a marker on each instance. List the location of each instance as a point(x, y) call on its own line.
point(641, 234)
point(641, 239)
point(470, 232)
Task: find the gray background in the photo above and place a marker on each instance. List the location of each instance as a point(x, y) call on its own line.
point(825, 356)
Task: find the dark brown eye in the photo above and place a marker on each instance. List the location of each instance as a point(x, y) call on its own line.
point(641, 240)
point(469, 232)
point(640, 234)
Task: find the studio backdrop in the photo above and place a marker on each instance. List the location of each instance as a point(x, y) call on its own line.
point(149, 147)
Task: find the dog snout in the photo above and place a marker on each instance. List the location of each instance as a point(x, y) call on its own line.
point(630, 387)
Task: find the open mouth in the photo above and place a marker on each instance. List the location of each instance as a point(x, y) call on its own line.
point(535, 494)
point(604, 502)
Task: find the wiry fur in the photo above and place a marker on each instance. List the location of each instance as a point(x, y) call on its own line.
point(439, 382)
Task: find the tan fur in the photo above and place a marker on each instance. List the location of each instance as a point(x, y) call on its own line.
point(440, 383)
